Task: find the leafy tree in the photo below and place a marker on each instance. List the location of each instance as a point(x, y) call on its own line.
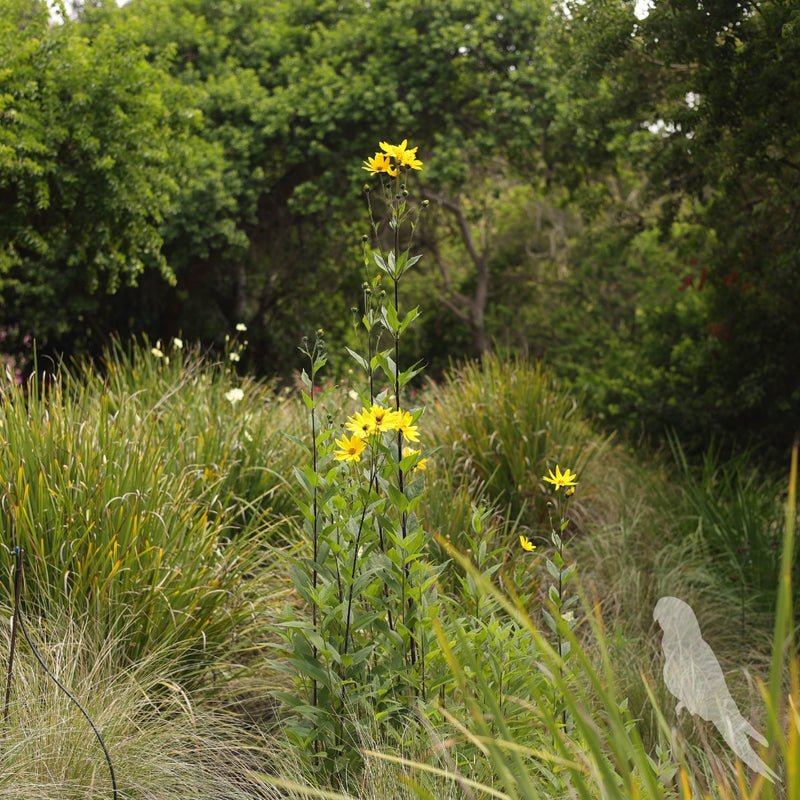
point(293, 96)
point(699, 96)
point(88, 138)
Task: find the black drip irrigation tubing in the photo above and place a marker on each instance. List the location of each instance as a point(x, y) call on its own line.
point(17, 620)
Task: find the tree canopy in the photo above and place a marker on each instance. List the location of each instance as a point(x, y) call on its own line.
point(88, 139)
point(614, 193)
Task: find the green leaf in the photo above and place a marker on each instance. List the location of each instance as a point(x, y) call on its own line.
point(360, 360)
point(553, 570)
point(398, 498)
point(385, 362)
point(552, 594)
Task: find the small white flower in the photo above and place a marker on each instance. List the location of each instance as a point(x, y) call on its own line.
point(240, 326)
point(568, 617)
point(234, 357)
point(157, 352)
point(177, 343)
point(234, 396)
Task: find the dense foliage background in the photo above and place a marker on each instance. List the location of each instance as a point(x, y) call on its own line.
point(615, 194)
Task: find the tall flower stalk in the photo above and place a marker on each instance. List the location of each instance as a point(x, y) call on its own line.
point(362, 569)
point(558, 614)
point(317, 358)
point(395, 162)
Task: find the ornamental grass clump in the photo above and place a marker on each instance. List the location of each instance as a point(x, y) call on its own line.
point(132, 492)
point(361, 642)
point(166, 743)
point(501, 423)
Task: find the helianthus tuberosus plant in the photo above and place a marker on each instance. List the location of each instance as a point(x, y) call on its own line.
point(358, 641)
point(557, 613)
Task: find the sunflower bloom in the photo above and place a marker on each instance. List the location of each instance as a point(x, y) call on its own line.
point(361, 423)
point(380, 162)
point(560, 480)
point(403, 155)
point(405, 424)
point(526, 544)
point(350, 448)
point(375, 420)
point(384, 419)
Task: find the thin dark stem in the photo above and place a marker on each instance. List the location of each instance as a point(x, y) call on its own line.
point(400, 475)
point(561, 603)
point(397, 342)
point(315, 535)
point(389, 617)
point(19, 621)
point(346, 644)
point(562, 515)
point(370, 352)
point(558, 541)
point(422, 666)
point(339, 589)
